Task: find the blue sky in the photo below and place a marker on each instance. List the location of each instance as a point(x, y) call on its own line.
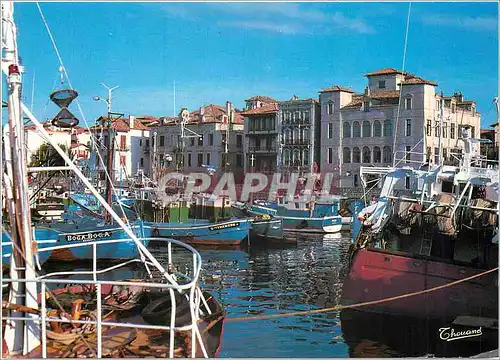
point(217, 52)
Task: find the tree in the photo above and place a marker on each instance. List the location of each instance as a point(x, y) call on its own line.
point(46, 155)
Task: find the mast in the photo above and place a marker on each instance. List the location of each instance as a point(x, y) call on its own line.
point(19, 337)
point(441, 117)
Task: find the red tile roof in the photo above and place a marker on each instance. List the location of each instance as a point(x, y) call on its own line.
point(415, 80)
point(335, 88)
point(387, 71)
point(262, 98)
point(266, 109)
point(213, 114)
point(122, 125)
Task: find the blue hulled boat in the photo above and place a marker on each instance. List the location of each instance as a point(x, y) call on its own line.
point(203, 232)
point(264, 227)
point(301, 216)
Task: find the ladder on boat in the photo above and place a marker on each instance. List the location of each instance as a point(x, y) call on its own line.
point(426, 244)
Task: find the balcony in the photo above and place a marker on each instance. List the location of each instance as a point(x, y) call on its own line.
point(263, 131)
point(296, 142)
point(296, 122)
point(123, 148)
point(263, 149)
point(146, 149)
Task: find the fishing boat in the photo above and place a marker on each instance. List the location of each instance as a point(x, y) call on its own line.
point(264, 228)
point(430, 226)
point(165, 314)
point(298, 216)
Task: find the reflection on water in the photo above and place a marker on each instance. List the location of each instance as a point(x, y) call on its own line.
point(303, 276)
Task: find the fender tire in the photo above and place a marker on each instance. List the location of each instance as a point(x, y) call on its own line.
point(158, 311)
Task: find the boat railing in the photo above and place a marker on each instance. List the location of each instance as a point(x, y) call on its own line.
point(189, 288)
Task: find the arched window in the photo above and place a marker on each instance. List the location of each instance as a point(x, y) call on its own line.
point(377, 155)
point(388, 128)
point(377, 128)
point(356, 155)
point(367, 129)
point(296, 158)
point(305, 157)
point(288, 136)
point(305, 136)
point(286, 157)
point(296, 135)
point(367, 154)
point(346, 155)
point(347, 130)
point(387, 155)
point(356, 129)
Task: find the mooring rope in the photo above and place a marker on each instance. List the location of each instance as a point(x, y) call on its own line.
point(353, 306)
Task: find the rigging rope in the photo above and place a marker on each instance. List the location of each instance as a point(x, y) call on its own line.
point(401, 85)
point(367, 303)
point(77, 102)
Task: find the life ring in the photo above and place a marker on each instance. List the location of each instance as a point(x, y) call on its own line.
point(158, 312)
point(155, 232)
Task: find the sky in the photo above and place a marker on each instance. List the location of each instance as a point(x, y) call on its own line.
point(218, 52)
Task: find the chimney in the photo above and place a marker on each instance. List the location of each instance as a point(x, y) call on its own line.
point(131, 121)
point(367, 91)
point(229, 111)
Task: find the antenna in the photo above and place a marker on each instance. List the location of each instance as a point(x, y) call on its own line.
point(175, 107)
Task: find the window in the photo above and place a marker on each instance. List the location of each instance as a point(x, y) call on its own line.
point(408, 127)
point(286, 157)
point(366, 105)
point(407, 154)
point(330, 130)
point(347, 130)
point(306, 116)
point(428, 130)
point(356, 155)
point(388, 128)
point(142, 162)
point(355, 180)
point(453, 108)
point(200, 159)
point(437, 130)
point(208, 159)
point(366, 155)
point(122, 160)
point(239, 160)
point(192, 141)
point(200, 140)
point(407, 182)
point(346, 155)
point(330, 108)
point(473, 111)
point(239, 141)
point(189, 159)
point(377, 128)
point(377, 155)
point(381, 84)
point(408, 103)
point(445, 154)
point(330, 156)
point(147, 143)
point(162, 140)
point(210, 139)
point(445, 130)
point(356, 129)
point(367, 129)
point(452, 131)
point(305, 157)
point(153, 142)
point(140, 142)
point(438, 105)
point(472, 131)
point(386, 155)
point(428, 153)
point(436, 155)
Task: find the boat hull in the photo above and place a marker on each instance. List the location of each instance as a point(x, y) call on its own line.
point(109, 251)
point(232, 232)
point(379, 274)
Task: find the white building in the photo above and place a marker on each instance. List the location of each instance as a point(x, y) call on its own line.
point(361, 129)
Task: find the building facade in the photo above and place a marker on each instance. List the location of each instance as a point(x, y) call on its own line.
point(374, 129)
point(213, 138)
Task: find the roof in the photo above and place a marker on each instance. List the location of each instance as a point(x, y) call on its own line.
point(122, 124)
point(213, 114)
point(335, 88)
point(415, 80)
point(262, 98)
point(357, 99)
point(387, 71)
point(266, 109)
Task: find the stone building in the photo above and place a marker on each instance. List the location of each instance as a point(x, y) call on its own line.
point(374, 129)
point(204, 143)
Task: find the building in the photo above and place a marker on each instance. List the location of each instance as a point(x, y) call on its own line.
point(76, 140)
point(130, 148)
point(261, 129)
point(299, 123)
point(204, 142)
point(490, 150)
point(281, 135)
point(374, 129)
